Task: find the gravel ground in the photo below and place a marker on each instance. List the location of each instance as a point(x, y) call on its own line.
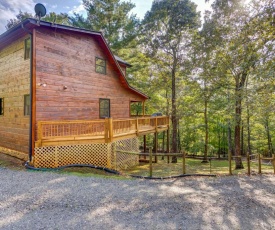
point(45, 200)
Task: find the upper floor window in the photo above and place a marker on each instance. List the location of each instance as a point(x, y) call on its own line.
point(100, 65)
point(27, 105)
point(27, 53)
point(1, 106)
point(104, 108)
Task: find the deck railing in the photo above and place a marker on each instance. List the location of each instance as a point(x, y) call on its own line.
point(101, 131)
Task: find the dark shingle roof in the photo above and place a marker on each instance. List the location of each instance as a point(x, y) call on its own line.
point(122, 61)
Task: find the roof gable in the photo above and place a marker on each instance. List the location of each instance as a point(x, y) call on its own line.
point(29, 24)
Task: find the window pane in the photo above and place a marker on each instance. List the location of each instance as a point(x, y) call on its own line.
point(27, 48)
point(100, 62)
point(100, 69)
point(100, 65)
point(104, 108)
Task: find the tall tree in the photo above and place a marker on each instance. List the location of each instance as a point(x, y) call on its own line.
point(112, 18)
point(18, 18)
point(61, 18)
point(166, 30)
point(240, 31)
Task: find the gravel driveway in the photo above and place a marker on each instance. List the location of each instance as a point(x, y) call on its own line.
point(44, 200)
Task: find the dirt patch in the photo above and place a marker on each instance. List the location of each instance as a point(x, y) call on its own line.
point(11, 162)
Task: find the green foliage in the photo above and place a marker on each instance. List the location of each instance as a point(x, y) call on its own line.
point(19, 17)
point(197, 76)
point(112, 18)
point(166, 34)
point(61, 18)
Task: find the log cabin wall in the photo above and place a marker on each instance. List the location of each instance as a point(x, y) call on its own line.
point(14, 84)
point(68, 88)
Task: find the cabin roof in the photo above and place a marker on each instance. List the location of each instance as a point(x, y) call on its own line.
point(26, 26)
point(120, 60)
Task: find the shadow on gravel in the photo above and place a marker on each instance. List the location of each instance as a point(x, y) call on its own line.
point(54, 201)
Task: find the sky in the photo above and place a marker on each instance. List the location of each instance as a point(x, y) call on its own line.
point(10, 8)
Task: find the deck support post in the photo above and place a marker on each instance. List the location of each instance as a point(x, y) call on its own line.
point(168, 145)
point(150, 162)
point(156, 146)
point(108, 130)
point(168, 141)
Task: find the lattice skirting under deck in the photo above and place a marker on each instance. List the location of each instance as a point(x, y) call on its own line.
point(104, 155)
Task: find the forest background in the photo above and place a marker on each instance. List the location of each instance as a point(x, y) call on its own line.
point(215, 78)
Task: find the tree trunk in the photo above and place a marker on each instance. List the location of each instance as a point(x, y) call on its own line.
point(229, 140)
point(174, 113)
point(238, 114)
point(248, 123)
point(163, 145)
point(179, 143)
point(205, 159)
point(223, 141)
point(269, 143)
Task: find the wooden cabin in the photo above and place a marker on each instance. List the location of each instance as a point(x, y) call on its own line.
point(64, 98)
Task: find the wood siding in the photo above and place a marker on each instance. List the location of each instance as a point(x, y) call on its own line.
point(14, 84)
point(67, 86)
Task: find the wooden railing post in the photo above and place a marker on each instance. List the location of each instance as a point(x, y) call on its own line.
point(111, 134)
point(248, 164)
point(156, 146)
point(106, 133)
point(39, 133)
point(137, 126)
point(150, 162)
point(259, 164)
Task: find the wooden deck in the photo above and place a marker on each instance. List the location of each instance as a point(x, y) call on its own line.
point(53, 133)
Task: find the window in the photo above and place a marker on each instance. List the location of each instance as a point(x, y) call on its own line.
point(27, 53)
point(27, 105)
point(100, 65)
point(1, 106)
point(104, 108)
